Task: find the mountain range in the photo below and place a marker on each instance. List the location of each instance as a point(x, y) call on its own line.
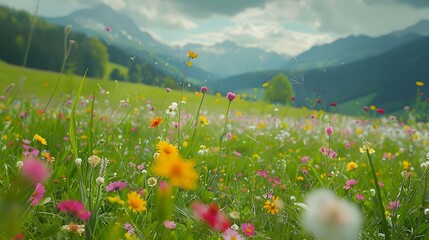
point(352, 71)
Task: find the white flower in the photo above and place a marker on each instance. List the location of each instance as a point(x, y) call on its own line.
point(372, 191)
point(235, 227)
point(19, 164)
point(78, 161)
point(329, 217)
point(426, 211)
point(99, 180)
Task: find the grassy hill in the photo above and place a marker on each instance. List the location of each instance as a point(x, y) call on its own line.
point(31, 83)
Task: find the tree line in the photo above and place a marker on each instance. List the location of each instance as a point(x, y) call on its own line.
point(47, 50)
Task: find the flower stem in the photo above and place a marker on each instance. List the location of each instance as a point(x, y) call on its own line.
point(196, 125)
point(379, 199)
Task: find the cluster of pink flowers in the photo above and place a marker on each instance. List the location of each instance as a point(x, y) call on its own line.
point(264, 173)
point(328, 152)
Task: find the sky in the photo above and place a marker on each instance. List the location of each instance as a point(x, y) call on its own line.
point(283, 26)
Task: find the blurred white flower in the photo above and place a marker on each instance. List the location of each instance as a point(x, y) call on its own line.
point(329, 217)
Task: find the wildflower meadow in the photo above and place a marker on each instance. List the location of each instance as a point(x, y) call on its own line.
point(200, 165)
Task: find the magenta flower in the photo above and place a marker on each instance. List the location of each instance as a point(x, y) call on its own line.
point(204, 89)
point(350, 183)
point(76, 208)
point(37, 195)
point(248, 229)
point(116, 186)
point(34, 170)
point(231, 96)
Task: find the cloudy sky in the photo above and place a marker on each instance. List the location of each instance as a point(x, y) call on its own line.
point(284, 26)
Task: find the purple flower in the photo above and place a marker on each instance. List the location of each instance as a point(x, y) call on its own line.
point(116, 186)
point(129, 228)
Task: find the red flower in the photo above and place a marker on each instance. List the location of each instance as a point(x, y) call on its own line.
point(333, 104)
point(380, 110)
point(76, 208)
point(212, 215)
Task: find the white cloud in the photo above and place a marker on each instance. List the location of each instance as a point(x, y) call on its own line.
point(162, 14)
point(116, 4)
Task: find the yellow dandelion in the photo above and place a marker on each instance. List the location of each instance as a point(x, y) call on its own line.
point(192, 55)
point(420, 84)
point(135, 202)
point(300, 178)
point(40, 139)
point(372, 107)
point(203, 121)
point(351, 166)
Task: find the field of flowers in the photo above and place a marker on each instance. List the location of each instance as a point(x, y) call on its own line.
point(89, 168)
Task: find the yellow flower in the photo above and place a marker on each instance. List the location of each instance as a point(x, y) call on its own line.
point(300, 178)
point(273, 206)
point(420, 84)
point(166, 149)
point(181, 173)
point(351, 166)
point(40, 139)
point(192, 55)
point(115, 199)
point(135, 203)
point(372, 107)
point(203, 120)
point(366, 146)
point(406, 165)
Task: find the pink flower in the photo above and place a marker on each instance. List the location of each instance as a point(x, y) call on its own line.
point(204, 89)
point(212, 215)
point(230, 234)
point(262, 173)
point(231, 96)
point(237, 153)
point(329, 130)
point(248, 229)
point(108, 29)
point(350, 183)
point(34, 170)
point(169, 224)
point(394, 204)
point(129, 228)
point(360, 197)
point(37, 195)
point(116, 186)
point(76, 208)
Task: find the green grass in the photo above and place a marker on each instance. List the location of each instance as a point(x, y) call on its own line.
point(239, 158)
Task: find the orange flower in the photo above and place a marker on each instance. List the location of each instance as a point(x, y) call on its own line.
point(192, 55)
point(155, 122)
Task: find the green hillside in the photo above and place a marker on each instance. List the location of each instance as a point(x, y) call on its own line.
point(31, 83)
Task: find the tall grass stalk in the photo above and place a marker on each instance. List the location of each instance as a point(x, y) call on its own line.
point(379, 201)
point(30, 35)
